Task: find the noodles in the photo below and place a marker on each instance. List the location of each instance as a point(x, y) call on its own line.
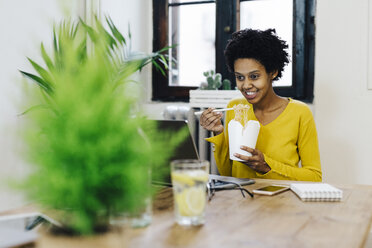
point(241, 113)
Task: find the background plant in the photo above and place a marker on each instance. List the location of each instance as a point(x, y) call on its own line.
point(80, 35)
point(90, 152)
point(214, 81)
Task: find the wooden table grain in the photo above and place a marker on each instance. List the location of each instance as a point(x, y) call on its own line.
point(282, 220)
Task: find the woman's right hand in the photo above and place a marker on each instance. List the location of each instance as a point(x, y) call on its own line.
point(212, 121)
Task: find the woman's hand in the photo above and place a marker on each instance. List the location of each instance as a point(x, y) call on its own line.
point(212, 121)
point(256, 162)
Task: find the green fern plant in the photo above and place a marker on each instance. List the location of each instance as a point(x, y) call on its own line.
point(117, 47)
point(90, 152)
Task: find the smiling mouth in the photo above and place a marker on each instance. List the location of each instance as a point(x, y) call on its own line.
point(250, 93)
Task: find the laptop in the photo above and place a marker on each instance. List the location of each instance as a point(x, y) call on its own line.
point(185, 150)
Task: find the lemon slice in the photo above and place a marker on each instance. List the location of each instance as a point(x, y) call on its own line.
point(201, 176)
point(182, 178)
point(189, 177)
point(191, 201)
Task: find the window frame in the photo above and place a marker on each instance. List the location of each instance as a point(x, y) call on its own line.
point(303, 48)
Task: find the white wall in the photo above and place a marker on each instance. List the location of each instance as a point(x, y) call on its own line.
point(23, 25)
point(342, 100)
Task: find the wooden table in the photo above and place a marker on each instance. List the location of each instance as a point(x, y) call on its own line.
point(267, 221)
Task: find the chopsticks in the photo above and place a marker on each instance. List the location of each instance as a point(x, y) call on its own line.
point(216, 110)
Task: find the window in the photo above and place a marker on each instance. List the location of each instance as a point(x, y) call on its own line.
point(194, 40)
point(263, 15)
point(200, 39)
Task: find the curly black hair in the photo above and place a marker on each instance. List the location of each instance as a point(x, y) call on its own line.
point(264, 46)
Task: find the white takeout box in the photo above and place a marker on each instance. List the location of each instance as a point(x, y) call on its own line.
point(239, 135)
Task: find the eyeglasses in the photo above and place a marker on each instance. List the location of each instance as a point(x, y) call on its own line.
point(212, 187)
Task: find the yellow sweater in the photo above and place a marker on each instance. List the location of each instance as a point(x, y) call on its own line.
point(291, 137)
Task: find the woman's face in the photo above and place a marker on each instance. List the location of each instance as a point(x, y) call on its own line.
point(252, 79)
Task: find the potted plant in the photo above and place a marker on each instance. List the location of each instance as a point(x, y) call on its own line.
point(214, 81)
point(90, 148)
point(207, 94)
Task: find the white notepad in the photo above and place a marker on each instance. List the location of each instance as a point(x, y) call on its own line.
point(316, 191)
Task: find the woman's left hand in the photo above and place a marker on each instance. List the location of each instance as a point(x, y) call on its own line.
point(256, 162)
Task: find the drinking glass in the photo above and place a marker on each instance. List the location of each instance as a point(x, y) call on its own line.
point(189, 180)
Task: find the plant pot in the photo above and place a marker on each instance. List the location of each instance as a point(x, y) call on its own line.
point(111, 239)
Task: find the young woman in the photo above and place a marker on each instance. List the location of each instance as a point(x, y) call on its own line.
point(287, 135)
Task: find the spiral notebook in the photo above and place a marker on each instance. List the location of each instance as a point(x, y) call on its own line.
point(316, 192)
